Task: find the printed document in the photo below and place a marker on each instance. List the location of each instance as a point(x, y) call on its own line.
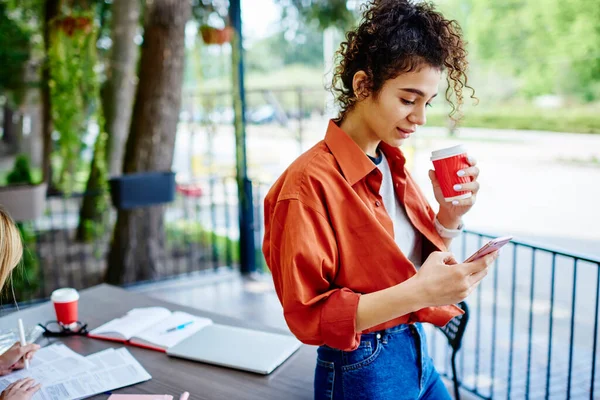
point(66, 375)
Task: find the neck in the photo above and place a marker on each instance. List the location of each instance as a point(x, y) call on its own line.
point(354, 126)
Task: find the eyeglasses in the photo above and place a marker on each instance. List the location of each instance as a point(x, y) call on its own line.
point(57, 329)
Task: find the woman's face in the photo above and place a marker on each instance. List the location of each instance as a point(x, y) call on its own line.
point(401, 105)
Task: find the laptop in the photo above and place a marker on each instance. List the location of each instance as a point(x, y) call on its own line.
point(239, 348)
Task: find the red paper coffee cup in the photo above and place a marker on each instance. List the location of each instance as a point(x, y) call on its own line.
point(65, 302)
point(447, 162)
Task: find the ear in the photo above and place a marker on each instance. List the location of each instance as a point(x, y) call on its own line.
point(361, 85)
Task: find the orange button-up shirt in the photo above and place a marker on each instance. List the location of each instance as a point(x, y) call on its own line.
point(328, 239)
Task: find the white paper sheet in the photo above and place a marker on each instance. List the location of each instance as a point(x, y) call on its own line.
point(8, 337)
point(157, 335)
point(136, 320)
point(66, 375)
point(113, 369)
point(50, 364)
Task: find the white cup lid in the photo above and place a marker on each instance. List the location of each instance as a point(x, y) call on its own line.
point(447, 152)
point(64, 295)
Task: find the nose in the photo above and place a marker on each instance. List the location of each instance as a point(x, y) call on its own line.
point(417, 116)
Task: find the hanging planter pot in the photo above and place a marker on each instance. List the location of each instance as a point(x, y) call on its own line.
point(24, 202)
point(212, 35)
point(142, 189)
point(71, 24)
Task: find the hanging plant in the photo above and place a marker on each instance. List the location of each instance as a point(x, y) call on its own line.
point(212, 35)
point(75, 93)
point(73, 83)
point(71, 24)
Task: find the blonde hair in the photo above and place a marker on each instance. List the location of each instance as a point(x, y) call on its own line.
point(11, 247)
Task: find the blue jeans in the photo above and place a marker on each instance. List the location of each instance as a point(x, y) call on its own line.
point(389, 364)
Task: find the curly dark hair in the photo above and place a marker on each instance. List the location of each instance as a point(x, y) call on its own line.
point(395, 37)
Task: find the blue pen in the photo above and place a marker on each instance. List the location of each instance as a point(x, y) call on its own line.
point(178, 327)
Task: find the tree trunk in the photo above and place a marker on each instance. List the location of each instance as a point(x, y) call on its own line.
point(95, 202)
point(137, 249)
point(117, 103)
point(117, 96)
point(50, 11)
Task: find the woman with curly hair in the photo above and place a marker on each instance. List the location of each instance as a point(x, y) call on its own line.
point(358, 257)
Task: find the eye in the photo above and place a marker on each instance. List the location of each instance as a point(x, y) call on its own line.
point(408, 103)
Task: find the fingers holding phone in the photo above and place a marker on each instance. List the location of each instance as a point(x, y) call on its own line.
point(478, 269)
point(490, 247)
point(442, 281)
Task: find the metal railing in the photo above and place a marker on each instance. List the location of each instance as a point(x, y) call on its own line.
point(533, 328)
point(201, 232)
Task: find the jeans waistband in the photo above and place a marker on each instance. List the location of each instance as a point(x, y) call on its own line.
point(393, 329)
point(383, 334)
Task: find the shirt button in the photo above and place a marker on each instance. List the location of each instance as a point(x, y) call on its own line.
point(397, 184)
point(378, 336)
point(377, 203)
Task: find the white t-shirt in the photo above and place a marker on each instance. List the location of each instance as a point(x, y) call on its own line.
point(407, 237)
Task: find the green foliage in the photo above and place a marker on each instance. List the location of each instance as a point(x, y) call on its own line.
point(550, 46)
point(325, 12)
point(575, 121)
point(92, 225)
point(21, 172)
point(182, 233)
point(25, 278)
point(300, 46)
point(207, 11)
point(73, 87)
point(15, 52)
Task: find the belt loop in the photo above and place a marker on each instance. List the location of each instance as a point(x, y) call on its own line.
point(414, 331)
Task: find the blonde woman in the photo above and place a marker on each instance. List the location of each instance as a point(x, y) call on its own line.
point(11, 251)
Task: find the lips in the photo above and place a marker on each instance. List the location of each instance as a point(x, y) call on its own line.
point(405, 133)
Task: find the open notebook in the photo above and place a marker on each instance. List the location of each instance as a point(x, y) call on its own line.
point(154, 328)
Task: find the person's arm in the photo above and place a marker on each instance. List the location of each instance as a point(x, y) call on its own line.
point(301, 251)
point(439, 281)
point(384, 305)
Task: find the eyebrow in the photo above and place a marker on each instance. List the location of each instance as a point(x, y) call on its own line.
point(417, 92)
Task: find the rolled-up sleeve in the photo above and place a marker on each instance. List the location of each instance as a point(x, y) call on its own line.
point(302, 254)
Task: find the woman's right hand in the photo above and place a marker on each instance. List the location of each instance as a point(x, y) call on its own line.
point(13, 358)
point(23, 389)
point(444, 281)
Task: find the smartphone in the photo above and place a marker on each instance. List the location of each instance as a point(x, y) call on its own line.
point(489, 247)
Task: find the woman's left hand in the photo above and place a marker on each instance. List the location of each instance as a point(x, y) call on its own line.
point(455, 210)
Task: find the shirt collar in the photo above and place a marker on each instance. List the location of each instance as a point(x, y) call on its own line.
point(352, 159)
point(394, 156)
point(354, 163)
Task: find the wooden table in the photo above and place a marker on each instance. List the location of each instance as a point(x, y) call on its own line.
point(97, 305)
